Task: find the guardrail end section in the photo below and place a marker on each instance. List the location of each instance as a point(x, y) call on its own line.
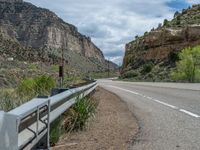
point(8, 131)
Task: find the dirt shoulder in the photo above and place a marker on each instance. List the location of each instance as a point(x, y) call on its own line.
point(113, 127)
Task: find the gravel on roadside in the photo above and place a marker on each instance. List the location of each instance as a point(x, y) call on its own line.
point(113, 127)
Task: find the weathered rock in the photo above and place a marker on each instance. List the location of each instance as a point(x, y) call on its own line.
point(157, 45)
point(45, 34)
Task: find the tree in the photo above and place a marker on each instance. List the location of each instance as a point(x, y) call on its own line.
point(166, 23)
point(176, 14)
point(136, 37)
point(178, 20)
point(188, 68)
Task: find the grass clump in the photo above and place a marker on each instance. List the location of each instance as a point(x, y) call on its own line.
point(74, 119)
point(80, 113)
point(40, 85)
point(55, 131)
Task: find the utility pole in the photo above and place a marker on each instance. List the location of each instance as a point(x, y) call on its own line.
point(61, 68)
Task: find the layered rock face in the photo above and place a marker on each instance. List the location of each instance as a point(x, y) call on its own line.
point(158, 46)
point(41, 30)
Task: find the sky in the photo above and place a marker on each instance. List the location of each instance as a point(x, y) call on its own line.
point(113, 23)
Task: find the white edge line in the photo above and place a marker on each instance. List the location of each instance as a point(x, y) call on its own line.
point(163, 103)
point(189, 113)
point(166, 104)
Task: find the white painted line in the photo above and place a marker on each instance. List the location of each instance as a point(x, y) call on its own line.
point(189, 113)
point(160, 102)
point(166, 104)
point(125, 90)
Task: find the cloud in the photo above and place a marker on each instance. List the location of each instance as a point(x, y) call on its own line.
point(111, 24)
point(193, 2)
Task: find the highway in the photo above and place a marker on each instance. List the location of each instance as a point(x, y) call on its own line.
point(168, 113)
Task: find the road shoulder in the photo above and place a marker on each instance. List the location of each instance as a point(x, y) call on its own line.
point(113, 127)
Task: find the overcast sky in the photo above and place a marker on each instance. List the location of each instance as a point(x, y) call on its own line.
point(113, 23)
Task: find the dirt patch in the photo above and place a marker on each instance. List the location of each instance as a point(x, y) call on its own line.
point(112, 128)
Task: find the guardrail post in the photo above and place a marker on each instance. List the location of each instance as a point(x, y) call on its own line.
point(8, 131)
point(44, 143)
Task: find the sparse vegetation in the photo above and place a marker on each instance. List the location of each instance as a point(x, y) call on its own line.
point(27, 89)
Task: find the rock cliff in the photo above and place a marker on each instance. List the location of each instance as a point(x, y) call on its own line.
point(46, 34)
point(158, 48)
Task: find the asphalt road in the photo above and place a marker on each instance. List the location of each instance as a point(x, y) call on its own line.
point(168, 113)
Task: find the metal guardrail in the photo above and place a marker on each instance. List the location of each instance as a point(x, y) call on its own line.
point(27, 126)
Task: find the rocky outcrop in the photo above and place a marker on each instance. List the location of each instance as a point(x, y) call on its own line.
point(161, 45)
point(45, 33)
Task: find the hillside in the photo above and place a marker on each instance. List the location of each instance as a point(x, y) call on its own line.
point(37, 36)
point(152, 56)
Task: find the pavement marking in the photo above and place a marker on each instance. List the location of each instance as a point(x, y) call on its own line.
point(166, 104)
point(126, 90)
point(160, 102)
point(189, 113)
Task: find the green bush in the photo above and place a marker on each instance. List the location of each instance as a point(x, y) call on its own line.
point(173, 56)
point(188, 68)
point(26, 86)
point(129, 74)
point(166, 23)
point(40, 85)
point(147, 68)
point(44, 84)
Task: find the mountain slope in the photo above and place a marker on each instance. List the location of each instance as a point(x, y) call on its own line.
point(154, 54)
point(45, 34)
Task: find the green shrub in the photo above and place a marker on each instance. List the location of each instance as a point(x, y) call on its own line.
point(26, 86)
point(40, 85)
point(147, 68)
point(188, 68)
point(129, 74)
point(166, 23)
point(44, 84)
point(173, 56)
